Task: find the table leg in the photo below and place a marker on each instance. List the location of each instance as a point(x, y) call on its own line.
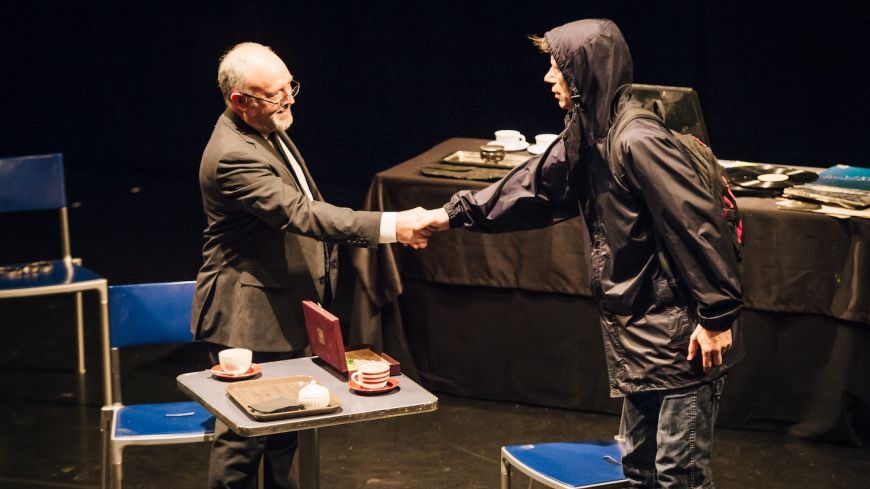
point(309, 459)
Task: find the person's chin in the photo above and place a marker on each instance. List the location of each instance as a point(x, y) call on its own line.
point(283, 123)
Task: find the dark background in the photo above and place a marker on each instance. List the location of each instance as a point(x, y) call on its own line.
point(128, 94)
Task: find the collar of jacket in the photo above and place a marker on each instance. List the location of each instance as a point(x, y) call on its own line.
point(250, 134)
point(253, 137)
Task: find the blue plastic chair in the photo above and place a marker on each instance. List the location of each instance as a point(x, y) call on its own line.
point(32, 183)
point(147, 314)
point(566, 465)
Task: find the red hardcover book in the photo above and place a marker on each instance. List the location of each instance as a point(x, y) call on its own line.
point(324, 336)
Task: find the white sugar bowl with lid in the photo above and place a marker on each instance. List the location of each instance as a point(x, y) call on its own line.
point(314, 396)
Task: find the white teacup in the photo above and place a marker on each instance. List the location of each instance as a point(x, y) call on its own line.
point(545, 139)
point(508, 136)
point(235, 360)
point(373, 375)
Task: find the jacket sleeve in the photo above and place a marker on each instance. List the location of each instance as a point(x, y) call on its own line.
point(533, 195)
point(253, 184)
point(688, 220)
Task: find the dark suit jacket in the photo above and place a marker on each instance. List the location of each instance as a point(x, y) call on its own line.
point(264, 246)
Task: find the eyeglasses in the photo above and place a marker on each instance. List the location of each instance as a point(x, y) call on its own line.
point(295, 87)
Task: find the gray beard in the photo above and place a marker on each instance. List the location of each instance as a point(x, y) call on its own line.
point(279, 124)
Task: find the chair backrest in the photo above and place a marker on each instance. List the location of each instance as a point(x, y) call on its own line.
point(148, 314)
point(33, 183)
point(30, 183)
point(678, 107)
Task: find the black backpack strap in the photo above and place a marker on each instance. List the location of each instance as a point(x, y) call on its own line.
point(617, 167)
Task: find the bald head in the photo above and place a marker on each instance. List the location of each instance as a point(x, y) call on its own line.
point(248, 64)
point(257, 86)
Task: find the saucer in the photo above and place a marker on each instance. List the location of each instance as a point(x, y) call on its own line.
point(218, 372)
point(537, 149)
point(512, 146)
point(392, 383)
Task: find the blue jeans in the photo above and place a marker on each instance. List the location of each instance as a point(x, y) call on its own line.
point(669, 436)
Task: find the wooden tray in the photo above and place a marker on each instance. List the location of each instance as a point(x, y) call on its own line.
point(366, 352)
point(472, 158)
point(250, 392)
point(463, 172)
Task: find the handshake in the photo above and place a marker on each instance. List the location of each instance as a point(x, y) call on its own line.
point(415, 226)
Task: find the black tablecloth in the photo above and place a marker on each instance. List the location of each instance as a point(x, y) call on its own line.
point(509, 316)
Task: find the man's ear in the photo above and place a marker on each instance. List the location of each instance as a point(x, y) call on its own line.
point(238, 102)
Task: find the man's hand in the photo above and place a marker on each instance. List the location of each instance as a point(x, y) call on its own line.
point(712, 345)
point(437, 219)
point(411, 228)
point(415, 226)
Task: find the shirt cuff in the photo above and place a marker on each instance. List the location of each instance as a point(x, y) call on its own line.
point(388, 228)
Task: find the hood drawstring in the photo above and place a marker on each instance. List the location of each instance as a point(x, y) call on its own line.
point(575, 98)
point(570, 116)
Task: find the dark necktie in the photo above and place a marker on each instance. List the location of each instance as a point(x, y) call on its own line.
point(294, 167)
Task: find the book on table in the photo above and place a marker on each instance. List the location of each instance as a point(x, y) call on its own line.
point(851, 177)
point(325, 338)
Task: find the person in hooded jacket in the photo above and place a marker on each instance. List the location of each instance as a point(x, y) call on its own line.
point(669, 340)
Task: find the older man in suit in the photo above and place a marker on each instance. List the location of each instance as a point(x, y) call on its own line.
point(268, 244)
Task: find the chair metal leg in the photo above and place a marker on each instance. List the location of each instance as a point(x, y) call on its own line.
point(80, 333)
point(108, 395)
point(82, 393)
point(106, 478)
point(505, 474)
point(117, 476)
point(309, 460)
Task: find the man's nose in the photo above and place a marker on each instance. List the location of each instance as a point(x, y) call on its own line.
point(548, 77)
point(287, 101)
point(288, 97)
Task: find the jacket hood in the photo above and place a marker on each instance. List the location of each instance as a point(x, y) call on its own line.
point(596, 63)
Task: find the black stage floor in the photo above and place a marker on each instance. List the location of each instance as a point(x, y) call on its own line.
point(51, 418)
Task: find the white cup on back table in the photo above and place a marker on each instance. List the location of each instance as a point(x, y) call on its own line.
point(542, 142)
point(509, 137)
point(545, 139)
